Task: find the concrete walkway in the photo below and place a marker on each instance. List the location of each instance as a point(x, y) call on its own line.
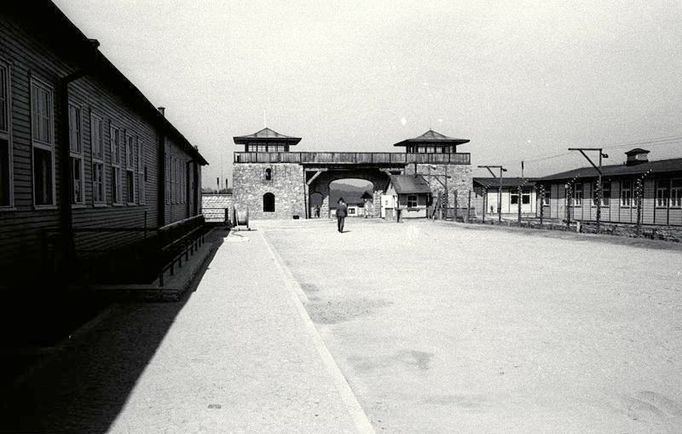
point(242, 356)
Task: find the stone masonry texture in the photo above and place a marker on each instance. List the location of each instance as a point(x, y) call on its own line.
point(286, 183)
point(460, 180)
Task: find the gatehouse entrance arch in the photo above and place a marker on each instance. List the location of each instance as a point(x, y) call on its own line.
point(319, 179)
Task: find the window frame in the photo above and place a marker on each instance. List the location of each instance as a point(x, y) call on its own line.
point(130, 172)
point(525, 194)
point(578, 199)
point(116, 181)
point(77, 154)
point(675, 197)
point(167, 176)
point(415, 201)
point(623, 183)
point(141, 186)
point(183, 177)
point(7, 135)
point(662, 185)
point(48, 146)
point(98, 160)
point(605, 199)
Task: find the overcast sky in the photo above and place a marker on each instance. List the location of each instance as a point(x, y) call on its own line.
point(521, 79)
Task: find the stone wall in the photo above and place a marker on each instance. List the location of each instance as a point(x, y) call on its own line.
point(461, 180)
point(654, 232)
point(286, 183)
point(214, 206)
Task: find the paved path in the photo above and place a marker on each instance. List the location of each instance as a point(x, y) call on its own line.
point(239, 355)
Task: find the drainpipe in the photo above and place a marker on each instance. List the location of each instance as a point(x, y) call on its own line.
point(65, 184)
point(161, 199)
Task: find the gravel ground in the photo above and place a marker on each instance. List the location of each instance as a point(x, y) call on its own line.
point(442, 328)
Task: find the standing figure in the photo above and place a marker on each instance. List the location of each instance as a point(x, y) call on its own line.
point(341, 213)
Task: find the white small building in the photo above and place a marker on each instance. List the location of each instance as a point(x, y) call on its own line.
point(409, 194)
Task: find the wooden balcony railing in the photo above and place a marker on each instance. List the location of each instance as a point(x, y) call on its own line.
point(369, 158)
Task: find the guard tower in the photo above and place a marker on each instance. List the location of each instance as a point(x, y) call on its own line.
point(432, 142)
point(266, 140)
point(265, 182)
point(434, 156)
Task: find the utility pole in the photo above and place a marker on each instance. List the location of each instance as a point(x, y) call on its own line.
point(520, 193)
point(599, 178)
point(542, 203)
point(485, 201)
point(499, 191)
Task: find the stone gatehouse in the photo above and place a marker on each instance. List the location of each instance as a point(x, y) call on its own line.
point(273, 182)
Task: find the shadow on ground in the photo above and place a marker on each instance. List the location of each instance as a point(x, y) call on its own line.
point(84, 384)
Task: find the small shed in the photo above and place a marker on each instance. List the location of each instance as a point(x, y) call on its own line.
point(412, 195)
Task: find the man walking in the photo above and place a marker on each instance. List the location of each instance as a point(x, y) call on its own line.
point(341, 213)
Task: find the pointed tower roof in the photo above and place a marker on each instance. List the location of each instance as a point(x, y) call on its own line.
point(266, 135)
point(432, 138)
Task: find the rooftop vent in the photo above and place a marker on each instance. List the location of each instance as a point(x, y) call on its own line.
point(162, 110)
point(636, 156)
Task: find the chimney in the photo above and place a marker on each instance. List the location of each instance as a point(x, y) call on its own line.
point(636, 156)
point(162, 110)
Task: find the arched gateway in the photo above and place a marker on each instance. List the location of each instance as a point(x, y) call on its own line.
point(266, 165)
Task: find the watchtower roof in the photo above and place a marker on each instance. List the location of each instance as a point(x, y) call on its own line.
point(432, 138)
point(266, 135)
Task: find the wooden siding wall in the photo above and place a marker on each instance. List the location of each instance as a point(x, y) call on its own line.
point(23, 226)
point(179, 208)
point(614, 212)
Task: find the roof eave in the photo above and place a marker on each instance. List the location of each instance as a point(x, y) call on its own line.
point(245, 140)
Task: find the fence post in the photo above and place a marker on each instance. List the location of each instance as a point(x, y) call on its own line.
point(542, 203)
point(568, 207)
point(638, 198)
point(485, 202)
point(455, 193)
point(520, 193)
point(468, 207)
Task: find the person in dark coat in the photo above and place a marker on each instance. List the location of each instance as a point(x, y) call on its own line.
point(341, 213)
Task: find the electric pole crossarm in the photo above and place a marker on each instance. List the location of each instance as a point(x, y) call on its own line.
point(499, 188)
point(582, 151)
point(489, 168)
point(598, 188)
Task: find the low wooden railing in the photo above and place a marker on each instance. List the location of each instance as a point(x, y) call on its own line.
point(370, 158)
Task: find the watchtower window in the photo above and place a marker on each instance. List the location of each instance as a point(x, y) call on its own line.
point(268, 174)
point(268, 202)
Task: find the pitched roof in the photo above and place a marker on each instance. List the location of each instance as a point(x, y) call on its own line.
point(636, 151)
point(432, 138)
point(49, 22)
point(660, 166)
point(506, 182)
point(410, 184)
point(266, 135)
